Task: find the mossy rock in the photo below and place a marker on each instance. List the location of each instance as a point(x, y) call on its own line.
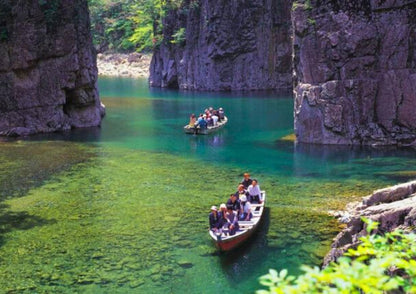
point(205, 250)
point(183, 263)
point(136, 283)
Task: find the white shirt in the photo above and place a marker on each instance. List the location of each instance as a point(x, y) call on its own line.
point(247, 207)
point(214, 119)
point(254, 191)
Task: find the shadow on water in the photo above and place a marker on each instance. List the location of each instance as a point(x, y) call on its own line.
point(21, 220)
point(239, 263)
point(83, 135)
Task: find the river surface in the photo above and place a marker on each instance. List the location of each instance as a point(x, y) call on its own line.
point(123, 208)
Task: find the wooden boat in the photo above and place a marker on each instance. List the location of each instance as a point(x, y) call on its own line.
point(247, 228)
point(191, 130)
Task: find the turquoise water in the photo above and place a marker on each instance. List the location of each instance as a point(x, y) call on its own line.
point(123, 208)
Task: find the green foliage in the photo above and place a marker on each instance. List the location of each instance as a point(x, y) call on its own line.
point(132, 24)
point(308, 5)
point(378, 264)
point(179, 37)
point(311, 21)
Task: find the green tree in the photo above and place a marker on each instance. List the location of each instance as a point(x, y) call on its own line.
point(130, 25)
point(381, 263)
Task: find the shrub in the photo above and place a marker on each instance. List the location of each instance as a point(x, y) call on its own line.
point(380, 263)
point(179, 37)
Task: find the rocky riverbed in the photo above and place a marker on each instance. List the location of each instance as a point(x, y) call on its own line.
point(135, 65)
point(393, 208)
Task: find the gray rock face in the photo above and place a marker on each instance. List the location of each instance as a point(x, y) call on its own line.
point(48, 69)
point(393, 207)
point(230, 45)
point(355, 65)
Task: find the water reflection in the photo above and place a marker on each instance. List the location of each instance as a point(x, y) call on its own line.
point(241, 263)
point(198, 143)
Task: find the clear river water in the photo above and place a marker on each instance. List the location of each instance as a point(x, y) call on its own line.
point(123, 208)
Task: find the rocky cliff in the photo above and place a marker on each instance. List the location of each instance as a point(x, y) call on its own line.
point(230, 45)
point(393, 207)
point(48, 69)
point(355, 65)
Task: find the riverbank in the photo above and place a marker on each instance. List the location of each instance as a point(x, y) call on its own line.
point(133, 65)
point(392, 207)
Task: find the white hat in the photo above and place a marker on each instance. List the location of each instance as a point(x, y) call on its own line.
point(223, 206)
point(243, 198)
point(220, 108)
point(214, 208)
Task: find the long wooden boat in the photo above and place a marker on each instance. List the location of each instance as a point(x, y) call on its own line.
point(247, 228)
point(191, 130)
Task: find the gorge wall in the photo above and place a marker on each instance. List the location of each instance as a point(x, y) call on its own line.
point(48, 68)
point(354, 62)
point(230, 45)
point(354, 68)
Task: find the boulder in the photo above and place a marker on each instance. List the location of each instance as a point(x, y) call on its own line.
point(393, 207)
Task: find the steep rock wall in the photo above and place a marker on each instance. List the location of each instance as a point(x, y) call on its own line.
point(48, 68)
point(355, 71)
point(230, 45)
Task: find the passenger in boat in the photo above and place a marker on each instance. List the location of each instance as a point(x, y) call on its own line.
point(192, 120)
point(254, 192)
point(246, 214)
point(210, 122)
point(232, 222)
point(246, 180)
point(214, 219)
point(234, 203)
point(221, 113)
point(202, 123)
point(214, 119)
point(241, 191)
point(221, 214)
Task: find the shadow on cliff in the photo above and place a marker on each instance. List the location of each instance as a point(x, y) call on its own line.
point(18, 220)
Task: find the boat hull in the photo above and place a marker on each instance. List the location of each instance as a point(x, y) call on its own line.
point(229, 244)
point(191, 130)
point(247, 229)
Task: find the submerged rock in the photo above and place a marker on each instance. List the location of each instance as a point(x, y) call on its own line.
point(48, 70)
point(393, 207)
point(185, 263)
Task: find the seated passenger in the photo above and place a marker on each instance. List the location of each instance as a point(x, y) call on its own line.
point(246, 181)
point(240, 192)
point(214, 219)
point(234, 203)
point(214, 119)
point(221, 113)
point(192, 120)
point(222, 213)
point(210, 122)
point(246, 214)
point(254, 192)
point(202, 123)
point(232, 222)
